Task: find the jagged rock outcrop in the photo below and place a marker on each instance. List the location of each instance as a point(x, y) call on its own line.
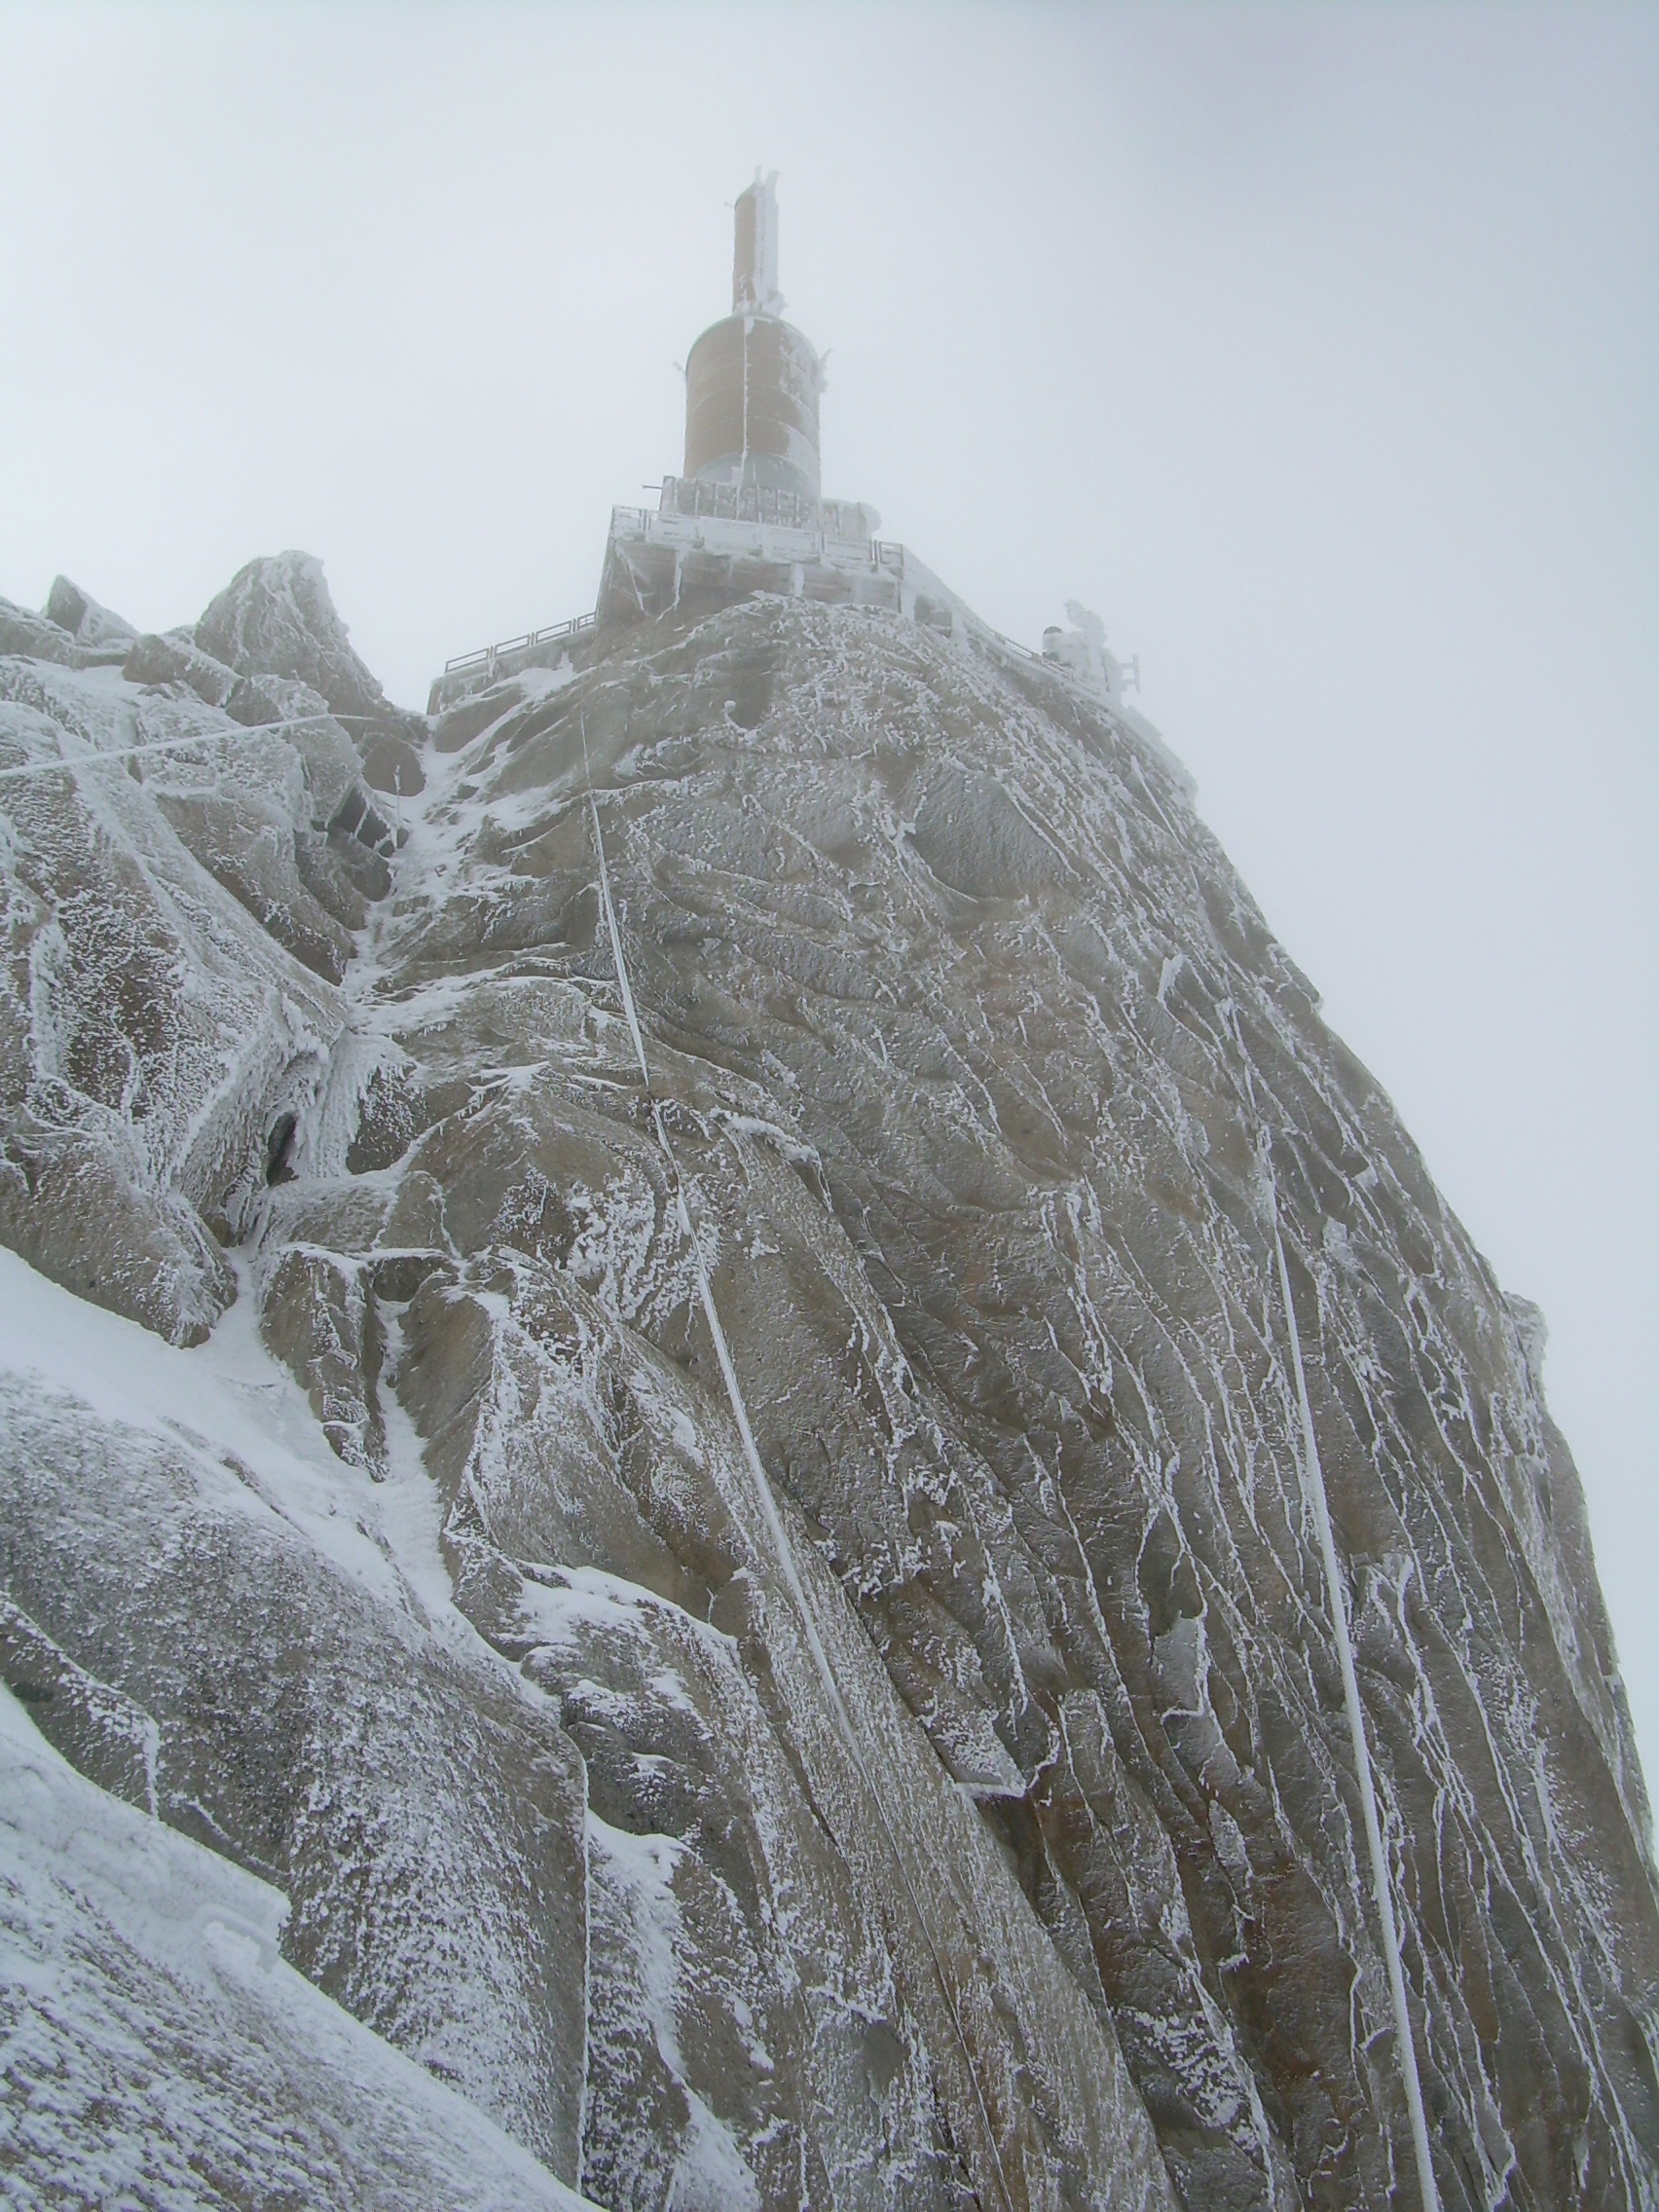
point(122, 1945)
point(90, 626)
point(276, 618)
point(165, 869)
point(952, 1804)
point(71, 629)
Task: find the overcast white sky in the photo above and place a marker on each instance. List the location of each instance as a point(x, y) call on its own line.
point(1316, 347)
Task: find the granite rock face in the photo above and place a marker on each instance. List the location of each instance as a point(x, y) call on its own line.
point(151, 1945)
point(186, 848)
point(275, 617)
point(951, 1803)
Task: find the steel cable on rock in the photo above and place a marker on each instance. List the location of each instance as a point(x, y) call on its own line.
point(241, 733)
point(784, 1550)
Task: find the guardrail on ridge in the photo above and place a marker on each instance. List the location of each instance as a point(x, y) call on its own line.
point(486, 655)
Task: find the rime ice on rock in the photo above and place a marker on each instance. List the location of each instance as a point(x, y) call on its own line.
point(275, 618)
point(941, 1794)
point(86, 622)
point(161, 2053)
point(187, 847)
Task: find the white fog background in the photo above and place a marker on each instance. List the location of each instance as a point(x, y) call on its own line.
point(1316, 347)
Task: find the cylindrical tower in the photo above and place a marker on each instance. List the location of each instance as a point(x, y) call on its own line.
point(751, 381)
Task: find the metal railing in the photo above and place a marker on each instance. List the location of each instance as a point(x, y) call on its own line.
point(884, 553)
point(749, 502)
point(487, 655)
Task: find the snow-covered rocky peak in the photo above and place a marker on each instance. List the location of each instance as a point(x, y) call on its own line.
point(71, 629)
point(275, 617)
point(770, 1619)
point(185, 852)
point(86, 621)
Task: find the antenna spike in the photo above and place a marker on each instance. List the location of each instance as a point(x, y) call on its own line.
point(755, 251)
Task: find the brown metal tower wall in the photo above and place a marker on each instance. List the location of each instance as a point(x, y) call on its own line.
point(752, 386)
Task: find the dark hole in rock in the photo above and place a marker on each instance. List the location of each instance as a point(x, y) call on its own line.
point(31, 1693)
point(365, 868)
point(355, 818)
point(752, 699)
point(278, 1148)
point(390, 763)
point(1168, 1580)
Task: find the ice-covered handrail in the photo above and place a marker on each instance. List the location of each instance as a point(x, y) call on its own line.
point(782, 1548)
point(1314, 1483)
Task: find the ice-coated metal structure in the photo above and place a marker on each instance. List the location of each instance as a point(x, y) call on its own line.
point(752, 380)
point(746, 514)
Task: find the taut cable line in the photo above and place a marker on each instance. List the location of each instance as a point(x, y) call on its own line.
point(240, 734)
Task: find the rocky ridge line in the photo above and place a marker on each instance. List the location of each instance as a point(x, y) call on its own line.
point(968, 1041)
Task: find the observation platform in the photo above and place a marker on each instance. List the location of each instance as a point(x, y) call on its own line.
point(705, 546)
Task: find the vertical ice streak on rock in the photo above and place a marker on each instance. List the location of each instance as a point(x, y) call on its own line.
point(622, 984)
point(152, 1766)
point(728, 1373)
point(1313, 1478)
point(782, 1550)
point(584, 2091)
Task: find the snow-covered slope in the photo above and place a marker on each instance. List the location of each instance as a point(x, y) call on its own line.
point(951, 1801)
point(160, 2055)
